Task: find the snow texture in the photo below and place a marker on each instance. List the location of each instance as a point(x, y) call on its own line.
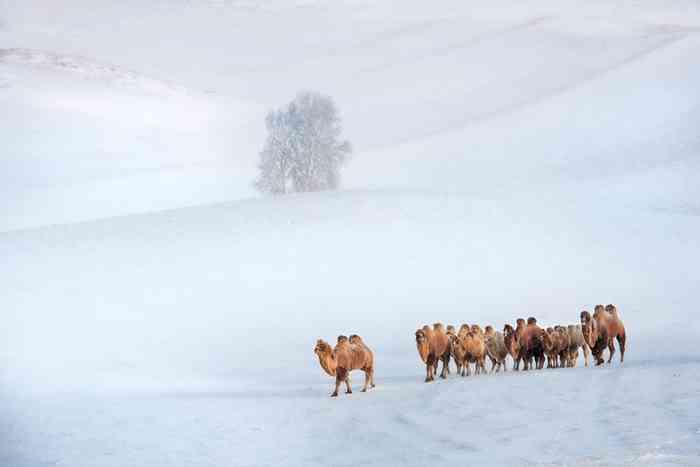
point(510, 160)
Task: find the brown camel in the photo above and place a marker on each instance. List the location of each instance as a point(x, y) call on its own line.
point(601, 330)
point(512, 342)
point(531, 346)
point(551, 347)
point(433, 347)
point(475, 351)
point(348, 354)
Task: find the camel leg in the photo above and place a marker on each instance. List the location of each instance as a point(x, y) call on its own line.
point(611, 348)
point(338, 380)
point(622, 339)
point(445, 366)
point(585, 354)
point(598, 355)
point(367, 379)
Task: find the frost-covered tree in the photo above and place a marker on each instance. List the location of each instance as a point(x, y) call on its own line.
point(303, 150)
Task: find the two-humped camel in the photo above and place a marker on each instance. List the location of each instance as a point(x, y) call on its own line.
point(348, 354)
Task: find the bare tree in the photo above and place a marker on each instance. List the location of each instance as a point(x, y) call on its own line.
point(303, 150)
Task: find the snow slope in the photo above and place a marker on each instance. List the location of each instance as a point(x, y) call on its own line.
point(186, 337)
point(511, 160)
point(168, 99)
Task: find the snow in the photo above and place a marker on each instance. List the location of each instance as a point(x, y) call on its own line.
point(510, 160)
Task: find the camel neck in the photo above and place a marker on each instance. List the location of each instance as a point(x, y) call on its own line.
point(328, 363)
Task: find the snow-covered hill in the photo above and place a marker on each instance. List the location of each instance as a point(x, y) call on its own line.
point(186, 337)
point(117, 108)
point(510, 160)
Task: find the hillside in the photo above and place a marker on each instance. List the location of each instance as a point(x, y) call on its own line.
point(510, 161)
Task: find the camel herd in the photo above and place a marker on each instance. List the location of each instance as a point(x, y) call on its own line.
point(527, 343)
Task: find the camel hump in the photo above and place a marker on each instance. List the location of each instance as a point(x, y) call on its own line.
point(355, 339)
point(612, 309)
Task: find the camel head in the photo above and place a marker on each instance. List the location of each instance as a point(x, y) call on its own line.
point(423, 344)
point(326, 356)
point(453, 341)
point(610, 308)
point(588, 328)
point(322, 348)
point(510, 338)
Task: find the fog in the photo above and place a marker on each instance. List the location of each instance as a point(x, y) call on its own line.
point(509, 161)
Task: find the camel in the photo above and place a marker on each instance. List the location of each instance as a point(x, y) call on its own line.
point(433, 346)
point(458, 353)
point(563, 344)
point(348, 354)
point(520, 325)
point(576, 341)
point(495, 349)
point(601, 330)
point(475, 352)
point(551, 347)
point(531, 347)
point(512, 343)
